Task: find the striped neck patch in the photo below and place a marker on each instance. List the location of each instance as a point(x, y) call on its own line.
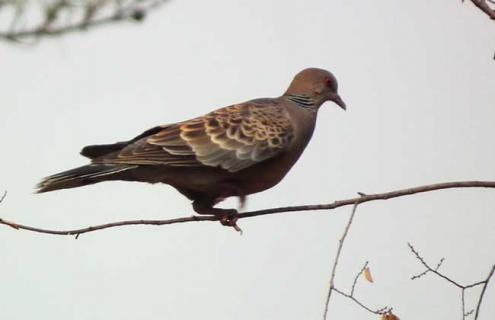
point(301, 100)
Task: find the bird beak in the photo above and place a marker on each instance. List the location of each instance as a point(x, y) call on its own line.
point(338, 100)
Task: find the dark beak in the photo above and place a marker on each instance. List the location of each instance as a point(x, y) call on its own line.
point(338, 100)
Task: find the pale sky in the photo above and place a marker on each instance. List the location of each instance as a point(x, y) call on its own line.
point(418, 78)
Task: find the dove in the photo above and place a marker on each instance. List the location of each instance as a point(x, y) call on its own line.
point(234, 151)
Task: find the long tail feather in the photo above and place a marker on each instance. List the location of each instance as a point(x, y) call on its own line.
point(81, 176)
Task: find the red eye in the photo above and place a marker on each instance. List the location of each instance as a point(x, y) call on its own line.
point(331, 84)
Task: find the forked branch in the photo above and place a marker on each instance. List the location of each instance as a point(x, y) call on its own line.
point(463, 288)
point(332, 288)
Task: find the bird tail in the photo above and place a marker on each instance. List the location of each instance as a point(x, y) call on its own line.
point(81, 176)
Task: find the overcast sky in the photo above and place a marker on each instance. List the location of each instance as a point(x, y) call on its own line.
point(419, 82)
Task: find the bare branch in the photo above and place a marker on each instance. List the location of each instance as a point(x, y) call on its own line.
point(382, 311)
point(485, 284)
point(331, 206)
point(341, 203)
point(430, 269)
point(332, 288)
point(59, 17)
point(463, 303)
point(336, 259)
point(77, 232)
point(357, 278)
point(485, 7)
point(455, 283)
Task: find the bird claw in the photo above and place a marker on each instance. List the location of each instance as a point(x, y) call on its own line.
point(229, 219)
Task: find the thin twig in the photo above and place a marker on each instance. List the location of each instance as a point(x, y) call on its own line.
point(336, 259)
point(420, 274)
point(380, 311)
point(463, 302)
point(453, 282)
point(94, 15)
point(331, 206)
point(77, 232)
point(430, 269)
point(3, 196)
point(357, 278)
point(480, 300)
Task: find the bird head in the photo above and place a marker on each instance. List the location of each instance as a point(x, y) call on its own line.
point(316, 85)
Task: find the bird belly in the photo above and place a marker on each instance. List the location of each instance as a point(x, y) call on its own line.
point(215, 182)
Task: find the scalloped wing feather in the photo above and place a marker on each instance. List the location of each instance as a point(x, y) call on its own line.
point(232, 138)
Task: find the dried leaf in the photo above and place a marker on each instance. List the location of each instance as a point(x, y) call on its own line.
point(367, 274)
point(390, 316)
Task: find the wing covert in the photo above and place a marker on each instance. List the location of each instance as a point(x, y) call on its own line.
point(232, 138)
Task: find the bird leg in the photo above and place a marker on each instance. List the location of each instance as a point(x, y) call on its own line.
point(231, 189)
point(227, 217)
point(242, 201)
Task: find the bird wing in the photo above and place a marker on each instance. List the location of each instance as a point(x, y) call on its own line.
point(102, 150)
point(232, 138)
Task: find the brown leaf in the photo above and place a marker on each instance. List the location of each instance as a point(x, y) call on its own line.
point(390, 316)
point(367, 274)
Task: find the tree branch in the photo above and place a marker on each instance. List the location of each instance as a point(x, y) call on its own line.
point(65, 16)
point(337, 204)
point(340, 203)
point(336, 259)
point(382, 311)
point(453, 282)
point(485, 284)
point(353, 288)
point(485, 7)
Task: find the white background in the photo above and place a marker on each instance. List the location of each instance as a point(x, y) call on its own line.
point(418, 79)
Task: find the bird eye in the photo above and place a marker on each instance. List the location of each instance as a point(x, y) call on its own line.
point(330, 84)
